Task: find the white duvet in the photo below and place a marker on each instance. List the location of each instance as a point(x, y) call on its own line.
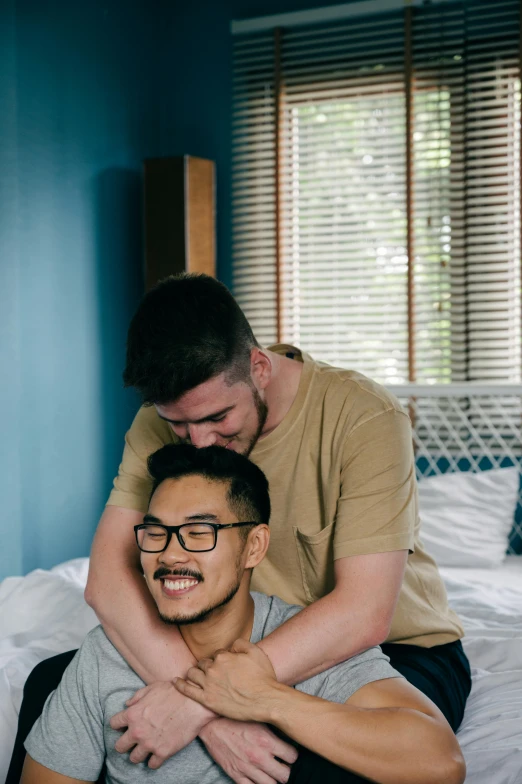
point(489, 603)
point(44, 613)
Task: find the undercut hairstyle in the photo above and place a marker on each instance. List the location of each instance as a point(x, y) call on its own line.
point(187, 329)
point(247, 493)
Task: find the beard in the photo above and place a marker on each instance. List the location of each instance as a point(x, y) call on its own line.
point(202, 615)
point(262, 413)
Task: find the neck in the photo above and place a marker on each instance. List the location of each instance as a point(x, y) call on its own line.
point(222, 627)
point(282, 389)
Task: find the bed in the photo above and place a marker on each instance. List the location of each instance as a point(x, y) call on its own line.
point(463, 436)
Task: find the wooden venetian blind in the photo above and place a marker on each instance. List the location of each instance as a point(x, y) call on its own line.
point(376, 202)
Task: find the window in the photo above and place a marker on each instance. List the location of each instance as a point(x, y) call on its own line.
point(376, 200)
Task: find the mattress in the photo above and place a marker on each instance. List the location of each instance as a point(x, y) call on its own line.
point(44, 613)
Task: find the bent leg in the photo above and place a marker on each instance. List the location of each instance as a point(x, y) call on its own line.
point(41, 682)
point(441, 673)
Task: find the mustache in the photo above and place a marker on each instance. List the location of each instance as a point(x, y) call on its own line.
point(162, 571)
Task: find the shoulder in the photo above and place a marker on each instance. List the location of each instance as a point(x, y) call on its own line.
point(97, 647)
point(101, 669)
point(342, 399)
point(270, 612)
point(339, 683)
point(343, 385)
point(364, 393)
point(148, 431)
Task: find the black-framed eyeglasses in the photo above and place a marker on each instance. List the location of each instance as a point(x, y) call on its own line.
point(194, 537)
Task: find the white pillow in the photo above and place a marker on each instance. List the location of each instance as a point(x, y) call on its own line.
point(466, 518)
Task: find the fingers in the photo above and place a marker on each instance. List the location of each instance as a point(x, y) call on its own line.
point(119, 721)
point(220, 655)
point(242, 646)
point(284, 751)
point(189, 690)
point(279, 771)
point(155, 762)
point(257, 776)
point(137, 696)
point(196, 676)
point(125, 743)
point(203, 665)
point(138, 754)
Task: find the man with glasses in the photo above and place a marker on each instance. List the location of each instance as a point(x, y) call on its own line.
point(204, 532)
point(337, 451)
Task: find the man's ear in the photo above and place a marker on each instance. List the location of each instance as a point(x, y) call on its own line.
point(260, 367)
point(257, 545)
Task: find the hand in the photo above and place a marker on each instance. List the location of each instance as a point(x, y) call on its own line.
point(247, 751)
point(236, 684)
point(158, 721)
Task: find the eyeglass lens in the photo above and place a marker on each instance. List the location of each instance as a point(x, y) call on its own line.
point(194, 537)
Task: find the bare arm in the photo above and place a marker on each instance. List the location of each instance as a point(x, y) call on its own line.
point(118, 593)
point(355, 616)
point(376, 505)
point(388, 732)
point(120, 598)
point(34, 773)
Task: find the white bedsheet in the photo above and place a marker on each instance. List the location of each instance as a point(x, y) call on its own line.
point(44, 613)
point(41, 614)
point(489, 603)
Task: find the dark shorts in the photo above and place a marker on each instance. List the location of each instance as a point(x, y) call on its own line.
point(442, 673)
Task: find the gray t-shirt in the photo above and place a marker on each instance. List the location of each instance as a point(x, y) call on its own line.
point(74, 737)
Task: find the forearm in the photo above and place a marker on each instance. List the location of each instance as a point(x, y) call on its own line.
point(356, 615)
point(118, 594)
point(323, 634)
point(386, 745)
point(153, 650)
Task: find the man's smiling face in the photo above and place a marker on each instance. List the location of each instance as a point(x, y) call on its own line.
point(189, 586)
point(217, 413)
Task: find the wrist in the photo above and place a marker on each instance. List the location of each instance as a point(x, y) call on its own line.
point(270, 709)
point(268, 649)
point(208, 727)
point(198, 714)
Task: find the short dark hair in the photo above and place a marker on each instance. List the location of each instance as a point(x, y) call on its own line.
point(187, 329)
point(247, 494)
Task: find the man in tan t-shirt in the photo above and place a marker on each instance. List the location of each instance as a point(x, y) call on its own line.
point(337, 451)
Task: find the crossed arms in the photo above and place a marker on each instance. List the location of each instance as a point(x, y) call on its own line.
point(387, 731)
point(356, 615)
point(349, 620)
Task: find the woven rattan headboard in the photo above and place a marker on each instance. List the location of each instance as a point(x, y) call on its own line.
point(466, 427)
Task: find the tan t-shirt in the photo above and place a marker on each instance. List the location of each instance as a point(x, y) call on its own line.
point(342, 482)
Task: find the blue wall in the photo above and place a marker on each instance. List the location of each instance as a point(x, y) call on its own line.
point(88, 89)
point(81, 97)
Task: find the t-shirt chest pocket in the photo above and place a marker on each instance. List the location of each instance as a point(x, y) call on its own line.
point(315, 552)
